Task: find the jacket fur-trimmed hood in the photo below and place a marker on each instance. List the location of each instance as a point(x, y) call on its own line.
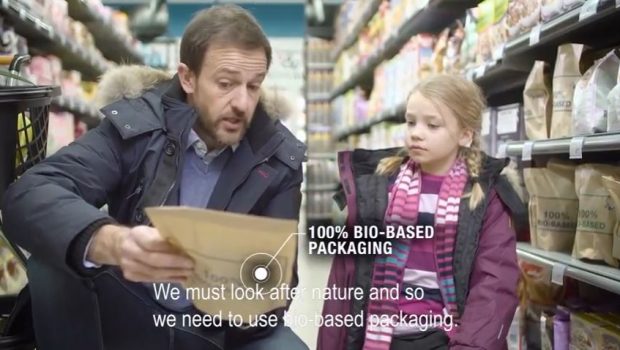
point(131, 81)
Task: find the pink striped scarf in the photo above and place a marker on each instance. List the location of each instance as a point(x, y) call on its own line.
point(404, 200)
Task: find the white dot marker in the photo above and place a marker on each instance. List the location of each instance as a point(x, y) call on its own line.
point(261, 273)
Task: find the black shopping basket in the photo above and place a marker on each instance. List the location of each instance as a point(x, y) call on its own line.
point(24, 115)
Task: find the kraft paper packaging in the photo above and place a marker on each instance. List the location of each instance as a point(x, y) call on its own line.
point(613, 188)
point(590, 101)
point(555, 205)
point(613, 113)
point(537, 103)
point(597, 217)
point(565, 76)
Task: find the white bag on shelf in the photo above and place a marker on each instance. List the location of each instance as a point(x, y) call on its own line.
point(613, 113)
point(591, 93)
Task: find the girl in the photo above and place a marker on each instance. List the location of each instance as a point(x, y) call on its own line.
point(458, 290)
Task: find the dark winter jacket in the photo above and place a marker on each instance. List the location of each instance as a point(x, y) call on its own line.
point(485, 263)
point(132, 160)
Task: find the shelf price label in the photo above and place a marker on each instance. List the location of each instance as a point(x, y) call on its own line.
point(480, 71)
point(498, 53)
point(588, 9)
point(535, 35)
point(575, 149)
point(526, 151)
point(557, 273)
point(501, 151)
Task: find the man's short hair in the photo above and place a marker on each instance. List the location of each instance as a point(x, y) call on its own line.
point(221, 24)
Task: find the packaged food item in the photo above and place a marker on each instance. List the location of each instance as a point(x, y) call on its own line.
point(499, 30)
point(561, 329)
point(516, 11)
point(539, 291)
point(469, 47)
point(613, 188)
point(439, 53)
point(565, 77)
point(537, 104)
point(453, 61)
point(550, 9)
point(596, 218)
point(610, 338)
point(568, 5)
point(546, 331)
point(613, 113)
point(590, 98)
point(583, 332)
point(553, 191)
point(594, 331)
point(485, 16)
point(532, 14)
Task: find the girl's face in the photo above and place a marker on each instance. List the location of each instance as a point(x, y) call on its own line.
point(434, 134)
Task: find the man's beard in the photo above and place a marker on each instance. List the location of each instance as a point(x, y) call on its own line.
point(219, 136)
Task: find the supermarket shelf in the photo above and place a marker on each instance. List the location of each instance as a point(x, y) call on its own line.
point(322, 188)
point(80, 109)
point(597, 275)
point(351, 38)
point(42, 38)
point(318, 97)
point(395, 114)
point(592, 143)
point(320, 66)
point(509, 72)
point(110, 41)
point(319, 156)
point(436, 16)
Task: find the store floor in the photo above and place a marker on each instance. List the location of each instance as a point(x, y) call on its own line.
point(313, 273)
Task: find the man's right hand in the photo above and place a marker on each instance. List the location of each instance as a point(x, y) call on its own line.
point(141, 252)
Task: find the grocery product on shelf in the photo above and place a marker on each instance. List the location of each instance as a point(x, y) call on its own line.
point(565, 77)
point(319, 51)
point(596, 218)
point(550, 9)
point(613, 115)
point(590, 103)
point(613, 188)
point(537, 103)
point(568, 5)
point(510, 125)
point(538, 288)
point(553, 206)
point(532, 13)
point(484, 25)
point(561, 328)
point(486, 136)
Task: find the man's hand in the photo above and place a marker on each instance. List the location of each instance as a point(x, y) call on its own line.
point(141, 252)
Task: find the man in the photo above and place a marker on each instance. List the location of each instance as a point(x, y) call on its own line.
point(200, 138)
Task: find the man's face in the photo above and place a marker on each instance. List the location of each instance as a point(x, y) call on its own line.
point(226, 92)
